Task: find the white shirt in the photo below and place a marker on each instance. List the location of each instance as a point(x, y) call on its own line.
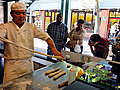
point(113, 28)
point(23, 36)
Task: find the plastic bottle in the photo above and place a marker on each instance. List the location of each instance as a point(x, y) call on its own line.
point(72, 75)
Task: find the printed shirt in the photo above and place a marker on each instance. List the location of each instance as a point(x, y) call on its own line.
point(23, 36)
point(101, 45)
point(75, 36)
point(58, 32)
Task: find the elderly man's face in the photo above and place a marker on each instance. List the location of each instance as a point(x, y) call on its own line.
point(19, 16)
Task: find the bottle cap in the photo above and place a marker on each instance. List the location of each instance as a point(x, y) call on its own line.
point(73, 69)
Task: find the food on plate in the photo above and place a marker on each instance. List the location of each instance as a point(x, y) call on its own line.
point(58, 75)
point(68, 66)
point(53, 70)
point(52, 74)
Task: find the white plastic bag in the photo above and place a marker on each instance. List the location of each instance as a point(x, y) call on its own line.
point(77, 47)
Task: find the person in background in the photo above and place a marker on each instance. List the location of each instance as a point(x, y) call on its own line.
point(113, 30)
point(77, 34)
point(75, 25)
point(100, 45)
point(1, 62)
point(58, 32)
point(116, 57)
point(118, 30)
point(18, 61)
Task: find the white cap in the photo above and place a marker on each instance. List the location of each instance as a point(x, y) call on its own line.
point(18, 6)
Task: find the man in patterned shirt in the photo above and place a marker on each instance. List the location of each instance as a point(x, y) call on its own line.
point(58, 32)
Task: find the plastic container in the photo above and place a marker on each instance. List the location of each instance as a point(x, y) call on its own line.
point(72, 75)
point(67, 57)
point(77, 47)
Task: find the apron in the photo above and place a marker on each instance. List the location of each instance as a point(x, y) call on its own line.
point(16, 68)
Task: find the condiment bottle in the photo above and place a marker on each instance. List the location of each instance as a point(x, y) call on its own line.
point(67, 57)
point(72, 75)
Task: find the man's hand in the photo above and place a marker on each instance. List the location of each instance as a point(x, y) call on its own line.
point(58, 54)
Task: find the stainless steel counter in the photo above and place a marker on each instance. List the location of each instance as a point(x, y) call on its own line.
point(37, 80)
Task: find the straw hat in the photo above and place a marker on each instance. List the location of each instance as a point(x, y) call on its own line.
point(18, 6)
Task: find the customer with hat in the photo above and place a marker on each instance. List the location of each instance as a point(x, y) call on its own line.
point(18, 61)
